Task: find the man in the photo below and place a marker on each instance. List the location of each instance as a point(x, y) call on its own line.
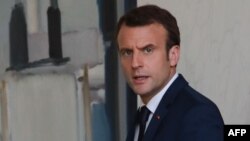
point(148, 40)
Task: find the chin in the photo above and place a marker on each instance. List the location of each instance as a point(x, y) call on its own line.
point(140, 89)
point(140, 92)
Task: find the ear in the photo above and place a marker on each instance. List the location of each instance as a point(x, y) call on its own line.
point(174, 55)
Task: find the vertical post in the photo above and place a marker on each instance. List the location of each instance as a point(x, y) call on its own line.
point(18, 37)
point(54, 30)
point(107, 18)
point(122, 98)
point(4, 112)
point(87, 104)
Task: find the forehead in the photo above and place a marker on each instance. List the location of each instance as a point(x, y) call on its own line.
point(140, 35)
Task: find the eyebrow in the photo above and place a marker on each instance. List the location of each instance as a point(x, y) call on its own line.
point(122, 50)
point(148, 45)
point(142, 47)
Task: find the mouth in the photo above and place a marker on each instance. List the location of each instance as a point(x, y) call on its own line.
point(140, 79)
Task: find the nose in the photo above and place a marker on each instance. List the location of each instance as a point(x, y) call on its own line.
point(137, 61)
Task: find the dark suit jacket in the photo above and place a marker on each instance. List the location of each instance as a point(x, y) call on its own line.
point(183, 114)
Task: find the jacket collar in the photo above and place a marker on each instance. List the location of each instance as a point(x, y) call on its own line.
point(162, 109)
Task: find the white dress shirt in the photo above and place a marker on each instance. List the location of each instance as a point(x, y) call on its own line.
point(153, 104)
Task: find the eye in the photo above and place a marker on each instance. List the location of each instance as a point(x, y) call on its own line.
point(126, 52)
point(148, 50)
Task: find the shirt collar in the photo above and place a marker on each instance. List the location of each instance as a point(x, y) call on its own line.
point(154, 102)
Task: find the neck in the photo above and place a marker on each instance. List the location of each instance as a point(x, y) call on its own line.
point(147, 97)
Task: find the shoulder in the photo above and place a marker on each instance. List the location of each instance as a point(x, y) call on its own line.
point(182, 97)
point(197, 102)
point(195, 106)
point(202, 117)
point(195, 97)
point(191, 115)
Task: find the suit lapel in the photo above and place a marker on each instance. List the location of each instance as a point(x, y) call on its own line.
point(154, 124)
point(162, 109)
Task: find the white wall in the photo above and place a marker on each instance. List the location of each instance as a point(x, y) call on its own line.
point(215, 51)
point(5, 10)
point(41, 107)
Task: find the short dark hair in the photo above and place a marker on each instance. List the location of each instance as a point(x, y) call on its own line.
point(149, 14)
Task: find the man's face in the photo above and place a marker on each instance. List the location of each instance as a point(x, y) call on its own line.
point(144, 59)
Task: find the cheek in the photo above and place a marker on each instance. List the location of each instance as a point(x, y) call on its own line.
point(158, 62)
point(160, 67)
point(125, 68)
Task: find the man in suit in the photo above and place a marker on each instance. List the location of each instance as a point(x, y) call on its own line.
point(148, 41)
